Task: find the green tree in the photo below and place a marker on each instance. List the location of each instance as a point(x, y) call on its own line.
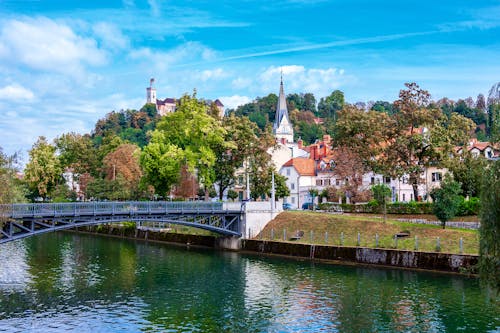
point(446, 200)
point(489, 243)
point(232, 194)
point(189, 136)
point(313, 193)
point(240, 138)
point(281, 190)
point(161, 163)
point(406, 143)
point(468, 171)
point(381, 193)
point(43, 171)
point(295, 101)
point(330, 105)
point(13, 190)
point(106, 189)
point(494, 122)
point(77, 152)
point(308, 132)
point(382, 106)
point(261, 182)
point(309, 102)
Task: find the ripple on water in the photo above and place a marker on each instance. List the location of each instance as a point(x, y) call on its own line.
point(93, 284)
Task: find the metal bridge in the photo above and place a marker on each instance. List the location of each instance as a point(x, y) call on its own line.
point(23, 220)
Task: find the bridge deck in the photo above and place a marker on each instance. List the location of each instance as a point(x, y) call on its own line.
point(23, 220)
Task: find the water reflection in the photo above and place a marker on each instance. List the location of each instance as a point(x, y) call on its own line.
point(63, 282)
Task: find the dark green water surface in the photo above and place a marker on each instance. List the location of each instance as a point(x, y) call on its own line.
point(66, 282)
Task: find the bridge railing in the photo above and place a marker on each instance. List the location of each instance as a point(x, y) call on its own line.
point(98, 208)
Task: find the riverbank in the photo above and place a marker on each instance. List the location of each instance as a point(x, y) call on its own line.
point(370, 231)
point(435, 261)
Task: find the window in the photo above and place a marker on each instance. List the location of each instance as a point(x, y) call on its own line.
point(405, 180)
point(240, 180)
point(293, 200)
point(404, 197)
point(288, 172)
point(387, 180)
point(437, 176)
point(292, 186)
point(326, 182)
point(372, 180)
point(319, 182)
point(337, 182)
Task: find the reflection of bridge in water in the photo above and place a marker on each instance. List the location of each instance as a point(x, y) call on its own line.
point(23, 220)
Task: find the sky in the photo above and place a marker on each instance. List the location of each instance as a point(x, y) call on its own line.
point(65, 64)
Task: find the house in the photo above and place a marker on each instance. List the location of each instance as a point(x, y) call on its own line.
point(300, 173)
point(478, 148)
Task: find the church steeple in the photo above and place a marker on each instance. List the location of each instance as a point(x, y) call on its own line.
point(282, 127)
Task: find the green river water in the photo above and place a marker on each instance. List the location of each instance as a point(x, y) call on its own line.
point(65, 282)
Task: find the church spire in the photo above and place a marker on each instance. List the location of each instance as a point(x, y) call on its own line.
point(282, 127)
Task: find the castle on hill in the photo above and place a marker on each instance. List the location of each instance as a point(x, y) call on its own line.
point(169, 104)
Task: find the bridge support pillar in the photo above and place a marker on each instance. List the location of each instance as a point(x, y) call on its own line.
point(229, 243)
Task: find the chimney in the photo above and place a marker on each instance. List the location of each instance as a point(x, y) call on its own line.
point(314, 152)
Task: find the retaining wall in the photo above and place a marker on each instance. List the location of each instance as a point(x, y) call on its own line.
point(385, 257)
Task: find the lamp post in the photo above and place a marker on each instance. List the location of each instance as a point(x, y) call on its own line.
point(273, 193)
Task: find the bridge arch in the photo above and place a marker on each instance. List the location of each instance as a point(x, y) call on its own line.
point(24, 220)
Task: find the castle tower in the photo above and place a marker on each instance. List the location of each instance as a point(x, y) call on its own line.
point(151, 92)
point(282, 128)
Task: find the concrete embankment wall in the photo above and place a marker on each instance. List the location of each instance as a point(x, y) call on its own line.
point(358, 255)
point(132, 233)
point(385, 257)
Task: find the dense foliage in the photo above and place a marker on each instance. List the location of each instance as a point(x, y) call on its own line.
point(12, 189)
point(446, 200)
point(135, 154)
point(489, 246)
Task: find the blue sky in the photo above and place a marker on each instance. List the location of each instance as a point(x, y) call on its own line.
point(64, 64)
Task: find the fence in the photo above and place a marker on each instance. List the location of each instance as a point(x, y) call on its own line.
point(401, 242)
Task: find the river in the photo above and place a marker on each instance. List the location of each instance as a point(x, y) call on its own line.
point(64, 282)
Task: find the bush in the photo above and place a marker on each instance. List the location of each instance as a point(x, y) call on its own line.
point(411, 207)
point(468, 207)
point(372, 206)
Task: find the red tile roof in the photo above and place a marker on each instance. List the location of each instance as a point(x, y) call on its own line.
point(304, 166)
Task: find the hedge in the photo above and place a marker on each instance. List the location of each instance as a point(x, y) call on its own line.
point(467, 207)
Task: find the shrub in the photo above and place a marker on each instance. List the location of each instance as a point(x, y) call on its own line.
point(468, 207)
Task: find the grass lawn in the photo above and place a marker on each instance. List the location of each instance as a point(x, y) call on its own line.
point(325, 228)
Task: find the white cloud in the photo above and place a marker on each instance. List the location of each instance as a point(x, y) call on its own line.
point(296, 78)
point(16, 92)
point(213, 74)
point(234, 101)
point(241, 83)
point(46, 45)
point(180, 56)
point(110, 36)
